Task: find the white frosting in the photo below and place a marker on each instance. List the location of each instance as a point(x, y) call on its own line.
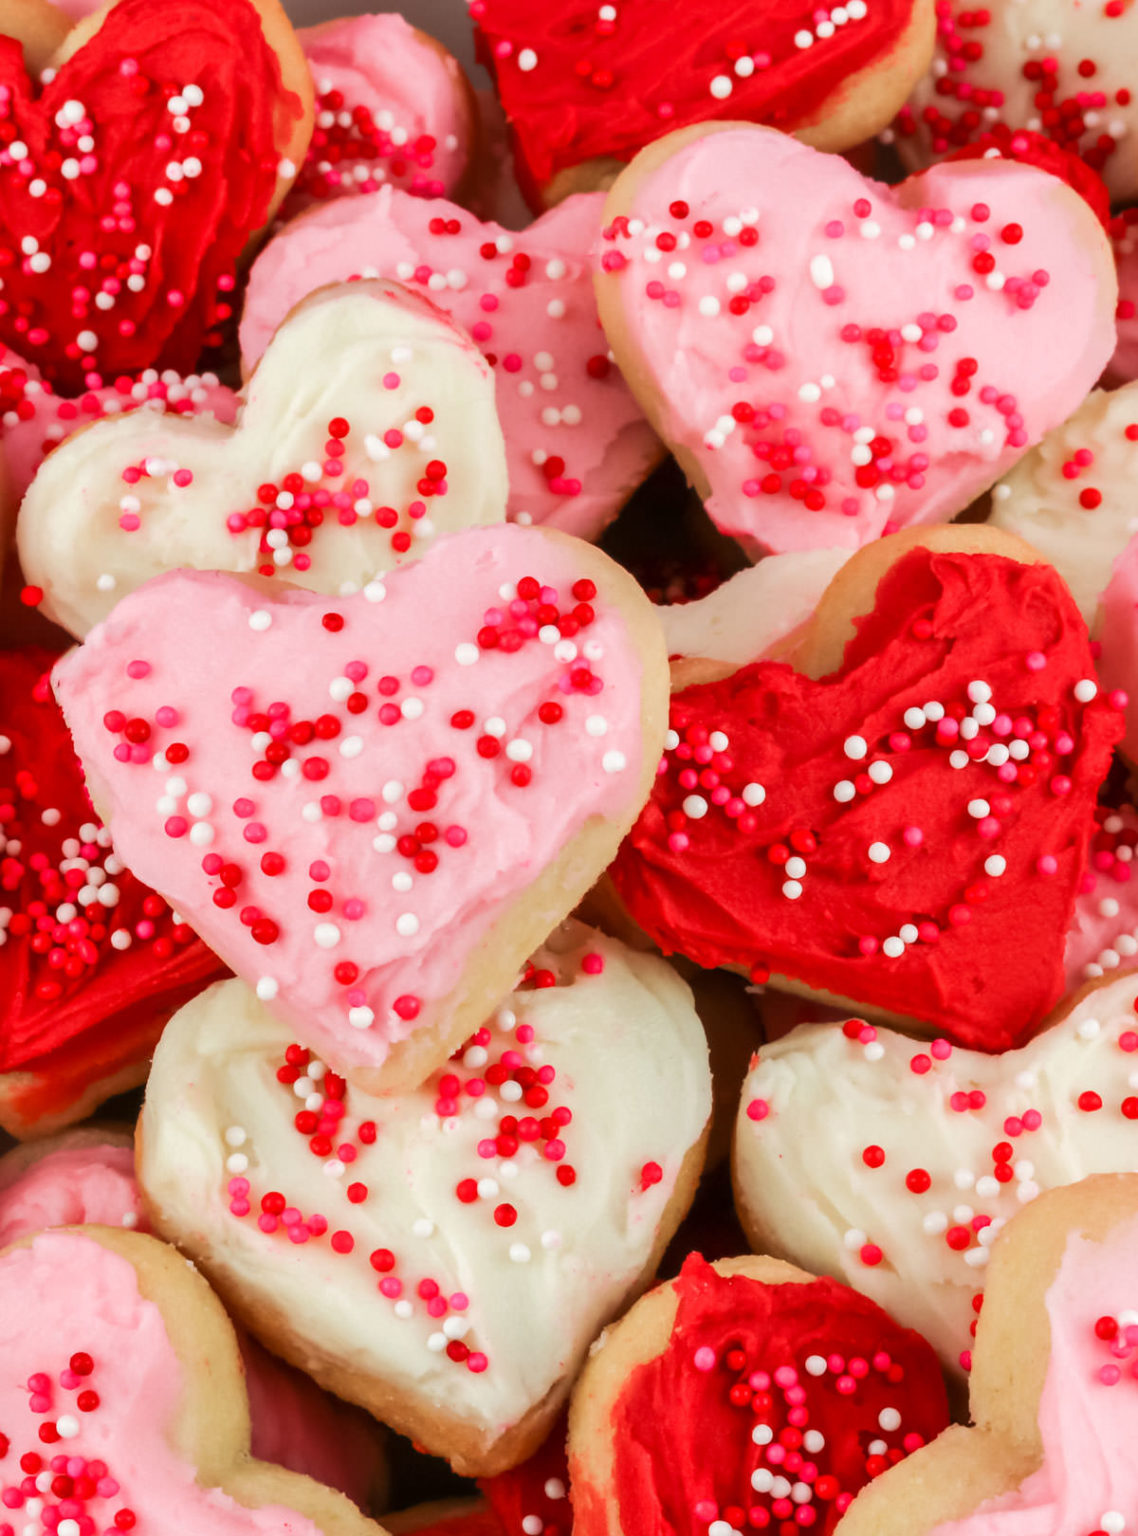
point(742, 619)
point(811, 1196)
point(1037, 502)
point(329, 359)
point(631, 1064)
point(1022, 31)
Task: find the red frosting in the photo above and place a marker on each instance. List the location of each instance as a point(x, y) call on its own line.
point(538, 1489)
point(107, 215)
point(931, 868)
point(602, 86)
point(1037, 149)
point(77, 1008)
point(801, 1359)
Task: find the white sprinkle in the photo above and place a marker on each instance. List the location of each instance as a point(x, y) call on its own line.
point(260, 619)
point(1085, 690)
point(327, 935)
point(721, 87)
point(844, 791)
point(527, 60)
point(406, 925)
point(695, 807)
point(822, 271)
point(880, 853)
point(466, 654)
point(614, 762)
point(855, 747)
point(753, 794)
point(880, 772)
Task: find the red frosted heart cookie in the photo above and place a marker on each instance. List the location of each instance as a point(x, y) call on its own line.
point(909, 830)
point(584, 90)
point(831, 359)
point(92, 962)
point(745, 1395)
point(132, 180)
point(375, 807)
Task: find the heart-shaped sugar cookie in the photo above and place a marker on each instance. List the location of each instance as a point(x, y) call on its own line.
point(743, 1394)
point(830, 358)
point(375, 807)
point(892, 1163)
point(577, 443)
point(1053, 1402)
point(908, 830)
point(124, 1403)
point(445, 1256)
point(133, 178)
point(584, 91)
point(92, 962)
point(368, 427)
point(1045, 65)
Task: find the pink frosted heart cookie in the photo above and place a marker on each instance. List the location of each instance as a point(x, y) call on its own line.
point(124, 1405)
point(892, 1163)
point(368, 428)
point(375, 807)
point(1048, 66)
point(831, 359)
point(87, 1176)
point(1071, 497)
point(444, 1256)
point(577, 443)
point(393, 108)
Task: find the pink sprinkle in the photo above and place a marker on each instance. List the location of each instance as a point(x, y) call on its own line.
point(1047, 865)
point(758, 1109)
point(137, 669)
point(704, 1358)
point(941, 1049)
point(1035, 661)
point(477, 1362)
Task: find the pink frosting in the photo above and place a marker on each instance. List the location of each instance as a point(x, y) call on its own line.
point(294, 1424)
point(429, 697)
point(66, 1296)
point(563, 406)
point(416, 132)
point(69, 1186)
point(1088, 1410)
point(833, 353)
point(1118, 634)
point(1104, 930)
point(45, 419)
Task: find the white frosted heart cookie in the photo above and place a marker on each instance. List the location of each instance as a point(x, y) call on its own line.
point(369, 427)
point(444, 1257)
point(893, 1163)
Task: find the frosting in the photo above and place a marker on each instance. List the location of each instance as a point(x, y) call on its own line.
point(577, 444)
point(577, 90)
point(72, 1301)
point(459, 1244)
point(87, 1180)
point(835, 359)
point(752, 611)
point(1049, 66)
point(391, 109)
point(104, 182)
point(368, 428)
point(1088, 1409)
point(908, 832)
point(893, 1164)
point(537, 1489)
point(765, 1402)
point(1070, 497)
point(73, 1184)
point(91, 960)
point(34, 420)
point(1104, 929)
point(356, 870)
